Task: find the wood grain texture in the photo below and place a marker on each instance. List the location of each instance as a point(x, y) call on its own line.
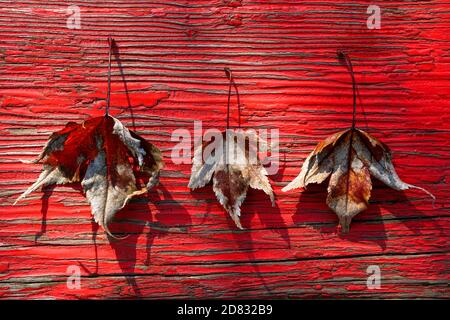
point(283, 55)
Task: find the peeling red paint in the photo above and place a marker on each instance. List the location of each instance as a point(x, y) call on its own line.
point(283, 57)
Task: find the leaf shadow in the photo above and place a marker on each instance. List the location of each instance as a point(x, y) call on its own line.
point(400, 205)
point(367, 226)
point(116, 52)
point(47, 192)
point(123, 253)
point(243, 238)
point(95, 228)
point(171, 217)
point(271, 219)
point(312, 210)
point(131, 229)
point(278, 176)
point(129, 225)
point(205, 198)
point(259, 204)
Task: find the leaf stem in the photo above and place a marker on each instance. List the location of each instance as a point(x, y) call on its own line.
point(230, 77)
point(108, 95)
point(344, 58)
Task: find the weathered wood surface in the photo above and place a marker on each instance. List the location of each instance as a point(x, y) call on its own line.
point(172, 55)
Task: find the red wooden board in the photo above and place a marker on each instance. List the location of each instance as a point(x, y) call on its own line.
point(172, 55)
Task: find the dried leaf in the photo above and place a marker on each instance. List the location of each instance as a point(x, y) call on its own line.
point(349, 157)
point(98, 153)
point(231, 179)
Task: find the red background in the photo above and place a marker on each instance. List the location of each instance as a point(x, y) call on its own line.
point(283, 55)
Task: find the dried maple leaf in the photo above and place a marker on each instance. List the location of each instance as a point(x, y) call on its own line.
point(97, 152)
point(349, 157)
point(234, 166)
point(231, 179)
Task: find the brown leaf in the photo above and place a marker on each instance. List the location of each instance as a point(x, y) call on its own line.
point(349, 158)
point(231, 179)
point(98, 152)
